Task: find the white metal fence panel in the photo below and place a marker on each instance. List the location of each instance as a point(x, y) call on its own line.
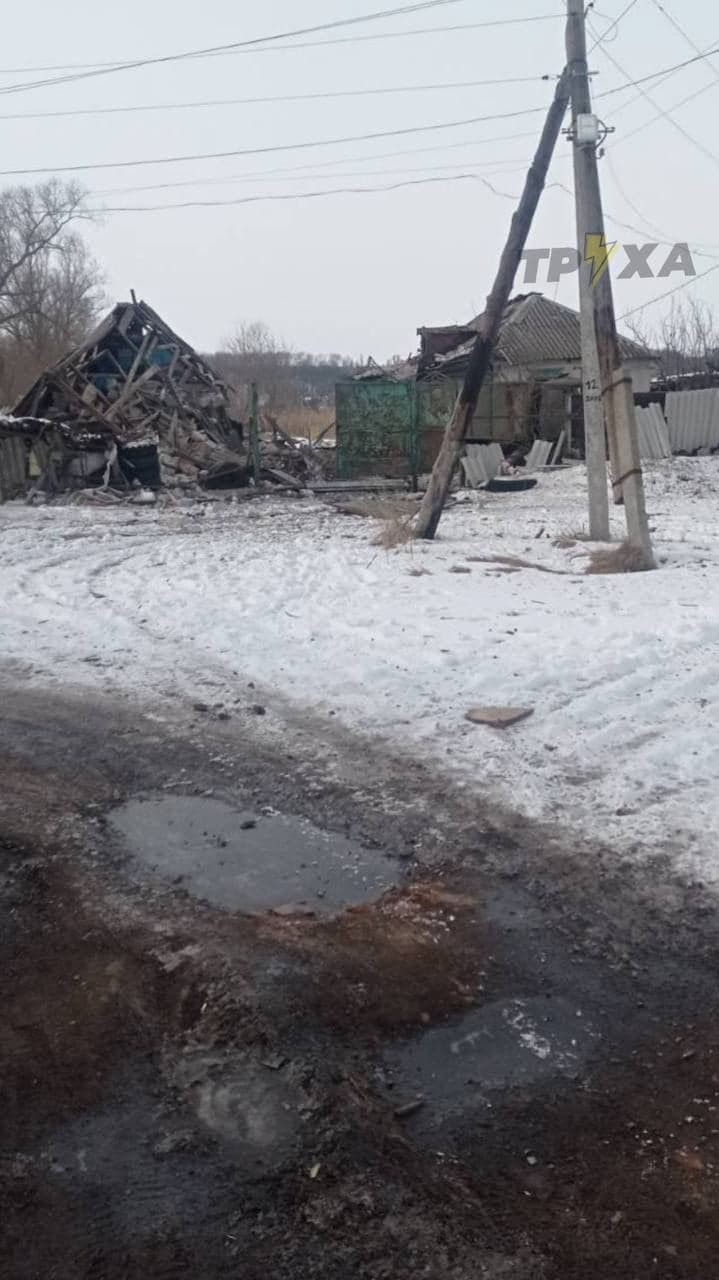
point(653, 433)
point(481, 462)
point(538, 455)
point(693, 419)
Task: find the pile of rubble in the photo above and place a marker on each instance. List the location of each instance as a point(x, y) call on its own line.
point(136, 407)
point(286, 460)
point(159, 411)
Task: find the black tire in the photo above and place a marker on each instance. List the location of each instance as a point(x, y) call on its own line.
point(511, 485)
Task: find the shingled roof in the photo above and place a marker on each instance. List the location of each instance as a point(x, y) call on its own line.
point(534, 330)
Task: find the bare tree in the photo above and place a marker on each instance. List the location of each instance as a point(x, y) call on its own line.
point(254, 354)
point(253, 338)
point(32, 222)
point(685, 341)
point(58, 299)
point(50, 286)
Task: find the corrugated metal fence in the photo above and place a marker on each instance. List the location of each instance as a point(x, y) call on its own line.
point(481, 463)
point(395, 428)
point(13, 467)
point(653, 433)
point(693, 419)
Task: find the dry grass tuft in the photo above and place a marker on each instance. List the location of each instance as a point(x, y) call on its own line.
point(512, 563)
point(396, 532)
point(570, 537)
point(396, 514)
point(419, 572)
point(624, 558)
point(306, 422)
point(375, 508)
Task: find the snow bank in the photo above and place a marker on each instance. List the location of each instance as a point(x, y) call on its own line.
point(622, 671)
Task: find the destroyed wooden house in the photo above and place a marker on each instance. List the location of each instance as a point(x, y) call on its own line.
point(134, 405)
point(44, 456)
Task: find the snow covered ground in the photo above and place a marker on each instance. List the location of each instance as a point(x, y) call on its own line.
point(623, 672)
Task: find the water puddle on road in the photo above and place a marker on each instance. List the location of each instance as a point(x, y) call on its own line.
point(461, 1067)
point(245, 862)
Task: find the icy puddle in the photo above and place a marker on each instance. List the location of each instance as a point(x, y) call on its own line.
point(244, 862)
point(459, 1067)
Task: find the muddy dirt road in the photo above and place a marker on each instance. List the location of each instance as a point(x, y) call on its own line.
point(278, 1004)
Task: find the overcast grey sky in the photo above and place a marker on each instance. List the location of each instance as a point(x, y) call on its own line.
point(356, 273)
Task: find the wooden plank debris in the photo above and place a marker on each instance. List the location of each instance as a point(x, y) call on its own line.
point(137, 383)
point(498, 717)
point(140, 388)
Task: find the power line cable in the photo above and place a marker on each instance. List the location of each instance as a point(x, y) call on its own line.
point(295, 146)
point(326, 164)
point(382, 155)
point(710, 155)
point(235, 46)
point(601, 39)
point(493, 168)
point(286, 146)
point(313, 195)
point(636, 82)
point(684, 34)
point(31, 115)
point(227, 51)
point(615, 178)
point(683, 102)
point(696, 250)
point(210, 50)
point(702, 54)
point(304, 195)
point(462, 177)
point(88, 167)
point(663, 242)
point(284, 97)
point(665, 73)
point(660, 297)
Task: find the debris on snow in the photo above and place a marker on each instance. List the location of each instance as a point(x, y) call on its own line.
point(498, 717)
point(153, 410)
point(135, 407)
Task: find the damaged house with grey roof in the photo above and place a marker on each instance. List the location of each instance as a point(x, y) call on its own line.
point(391, 421)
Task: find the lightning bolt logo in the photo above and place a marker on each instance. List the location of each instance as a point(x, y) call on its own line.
point(599, 254)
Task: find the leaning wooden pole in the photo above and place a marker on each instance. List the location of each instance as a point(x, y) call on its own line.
point(430, 511)
point(255, 433)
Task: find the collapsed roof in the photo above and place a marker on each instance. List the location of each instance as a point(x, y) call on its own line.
point(534, 330)
point(134, 382)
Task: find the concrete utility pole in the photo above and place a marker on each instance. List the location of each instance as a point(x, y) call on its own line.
point(615, 385)
point(430, 511)
point(595, 440)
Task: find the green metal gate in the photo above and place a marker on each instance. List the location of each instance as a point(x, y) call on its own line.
point(376, 429)
point(387, 428)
